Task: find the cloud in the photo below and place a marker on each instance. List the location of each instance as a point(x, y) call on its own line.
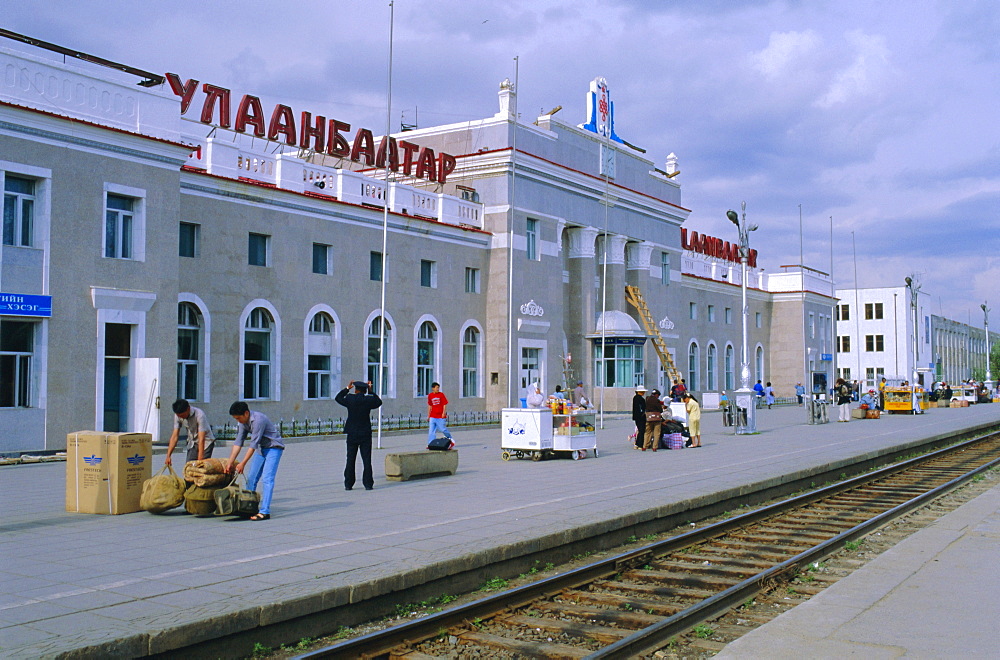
point(784, 51)
point(866, 73)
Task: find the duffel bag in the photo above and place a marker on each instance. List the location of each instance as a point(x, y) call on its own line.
point(234, 500)
point(162, 492)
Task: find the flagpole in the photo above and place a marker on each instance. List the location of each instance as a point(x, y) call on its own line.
point(385, 233)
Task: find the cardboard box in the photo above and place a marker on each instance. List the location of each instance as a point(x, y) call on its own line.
point(105, 471)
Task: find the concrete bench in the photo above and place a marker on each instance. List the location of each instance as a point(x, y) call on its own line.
point(420, 464)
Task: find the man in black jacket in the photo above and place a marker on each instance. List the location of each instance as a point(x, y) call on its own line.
point(639, 415)
point(359, 430)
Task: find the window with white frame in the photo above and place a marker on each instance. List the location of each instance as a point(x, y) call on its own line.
point(729, 315)
point(664, 268)
point(531, 239)
point(470, 362)
point(711, 313)
point(692, 311)
point(189, 329)
point(257, 354)
point(319, 357)
point(843, 312)
point(758, 320)
point(189, 240)
point(322, 259)
point(729, 368)
point(812, 326)
point(619, 365)
point(759, 363)
point(426, 357)
point(844, 344)
point(472, 280)
point(378, 353)
point(693, 357)
point(428, 273)
point(710, 360)
point(18, 211)
point(258, 246)
point(119, 226)
point(17, 347)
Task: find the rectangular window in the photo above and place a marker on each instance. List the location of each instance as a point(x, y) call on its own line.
point(322, 259)
point(758, 320)
point(189, 241)
point(375, 267)
point(870, 375)
point(812, 326)
point(257, 249)
point(18, 211)
point(472, 280)
point(845, 373)
point(531, 239)
point(318, 377)
point(874, 343)
point(619, 365)
point(428, 273)
point(119, 222)
point(664, 268)
point(16, 349)
point(843, 313)
point(711, 313)
point(873, 311)
point(844, 344)
point(729, 316)
point(692, 311)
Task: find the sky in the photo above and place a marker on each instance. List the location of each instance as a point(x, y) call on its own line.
point(875, 122)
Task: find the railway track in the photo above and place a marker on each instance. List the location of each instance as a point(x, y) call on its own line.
point(635, 602)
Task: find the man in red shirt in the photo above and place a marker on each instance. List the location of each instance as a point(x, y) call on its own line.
point(437, 415)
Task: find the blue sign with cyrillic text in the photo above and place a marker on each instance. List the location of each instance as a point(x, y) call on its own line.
point(24, 304)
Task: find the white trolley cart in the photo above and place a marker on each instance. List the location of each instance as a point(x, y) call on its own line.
point(538, 434)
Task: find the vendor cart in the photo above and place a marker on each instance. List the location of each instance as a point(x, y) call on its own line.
point(900, 399)
point(538, 434)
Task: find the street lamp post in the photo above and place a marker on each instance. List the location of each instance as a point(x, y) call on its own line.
point(914, 292)
point(986, 325)
point(746, 406)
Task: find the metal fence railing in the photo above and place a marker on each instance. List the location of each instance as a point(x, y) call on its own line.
point(299, 428)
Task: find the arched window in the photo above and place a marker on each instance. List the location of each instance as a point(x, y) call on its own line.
point(470, 362)
point(257, 354)
point(710, 356)
point(320, 359)
point(426, 357)
point(188, 351)
point(729, 369)
point(375, 358)
point(759, 363)
point(693, 356)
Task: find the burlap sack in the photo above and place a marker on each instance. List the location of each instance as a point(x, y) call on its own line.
point(162, 492)
point(207, 473)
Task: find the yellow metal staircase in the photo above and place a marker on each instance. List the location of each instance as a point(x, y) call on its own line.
point(634, 297)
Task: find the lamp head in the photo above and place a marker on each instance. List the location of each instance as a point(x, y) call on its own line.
point(733, 217)
point(909, 281)
point(983, 306)
point(752, 228)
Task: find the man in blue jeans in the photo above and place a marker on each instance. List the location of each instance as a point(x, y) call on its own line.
point(265, 442)
point(437, 413)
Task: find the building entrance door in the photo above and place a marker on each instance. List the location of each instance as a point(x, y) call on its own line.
point(117, 350)
point(530, 368)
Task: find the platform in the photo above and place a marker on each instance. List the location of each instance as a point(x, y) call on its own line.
point(934, 595)
point(122, 586)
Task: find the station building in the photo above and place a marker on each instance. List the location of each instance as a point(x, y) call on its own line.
point(168, 239)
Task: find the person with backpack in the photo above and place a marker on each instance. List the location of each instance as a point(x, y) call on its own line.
point(843, 392)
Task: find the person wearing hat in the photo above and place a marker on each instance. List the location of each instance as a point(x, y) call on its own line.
point(694, 418)
point(870, 399)
point(579, 396)
point(358, 428)
point(639, 415)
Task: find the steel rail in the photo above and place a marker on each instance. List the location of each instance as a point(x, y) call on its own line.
point(653, 637)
